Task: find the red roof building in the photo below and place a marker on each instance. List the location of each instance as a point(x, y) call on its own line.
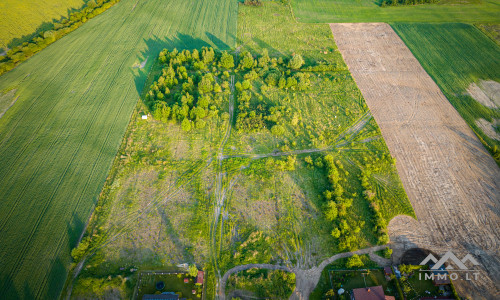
point(199, 278)
point(370, 293)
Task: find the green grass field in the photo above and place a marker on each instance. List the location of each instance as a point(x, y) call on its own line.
point(21, 18)
point(168, 201)
point(331, 11)
point(58, 141)
point(455, 56)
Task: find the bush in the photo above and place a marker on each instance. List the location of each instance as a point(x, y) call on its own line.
point(296, 62)
point(252, 3)
point(226, 61)
point(354, 262)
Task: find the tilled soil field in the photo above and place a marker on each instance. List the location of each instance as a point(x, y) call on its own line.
point(452, 181)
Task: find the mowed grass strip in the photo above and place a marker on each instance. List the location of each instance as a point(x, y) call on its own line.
point(58, 141)
point(338, 11)
point(456, 55)
point(22, 18)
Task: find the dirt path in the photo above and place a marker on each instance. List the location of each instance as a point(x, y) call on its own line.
point(451, 180)
point(220, 191)
point(305, 280)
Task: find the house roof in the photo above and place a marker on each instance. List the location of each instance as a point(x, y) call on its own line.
point(369, 293)
point(199, 278)
point(160, 296)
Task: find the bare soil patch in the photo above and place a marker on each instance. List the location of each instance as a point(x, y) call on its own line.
point(489, 128)
point(487, 93)
point(6, 101)
point(451, 180)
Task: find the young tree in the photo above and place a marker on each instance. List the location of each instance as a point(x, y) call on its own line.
point(354, 262)
point(296, 62)
point(331, 212)
point(278, 130)
point(246, 62)
point(186, 125)
point(226, 61)
point(193, 270)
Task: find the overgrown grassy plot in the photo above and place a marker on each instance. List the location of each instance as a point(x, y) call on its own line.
point(457, 56)
point(274, 213)
point(261, 283)
point(58, 141)
point(332, 11)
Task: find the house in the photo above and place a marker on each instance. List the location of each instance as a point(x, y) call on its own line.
point(163, 296)
point(370, 293)
point(440, 276)
point(199, 278)
point(388, 271)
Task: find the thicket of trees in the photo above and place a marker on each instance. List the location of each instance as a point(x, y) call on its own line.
point(345, 230)
point(21, 53)
point(406, 2)
point(194, 84)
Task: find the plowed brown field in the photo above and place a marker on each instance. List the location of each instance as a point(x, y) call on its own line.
point(452, 181)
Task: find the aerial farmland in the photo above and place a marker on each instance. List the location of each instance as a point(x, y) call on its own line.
point(224, 149)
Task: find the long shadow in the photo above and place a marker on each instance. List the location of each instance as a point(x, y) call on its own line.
point(155, 45)
point(217, 42)
point(265, 45)
point(75, 230)
point(43, 27)
point(174, 237)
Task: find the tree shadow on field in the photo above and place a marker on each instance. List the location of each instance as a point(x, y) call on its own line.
point(7, 287)
point(56, 278)
point(48, 25)
point(272, 51)
point(217, 42)
point(154, 45)
point(75, 230)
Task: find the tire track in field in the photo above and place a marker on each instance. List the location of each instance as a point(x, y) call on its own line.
point(47, 204)
point(451, 180)
point(42, 162)
point(65, 237)
point(24, 249)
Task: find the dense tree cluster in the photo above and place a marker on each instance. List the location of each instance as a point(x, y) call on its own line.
point(406, 2)
point(252, 2)
point(380, 225)
point(345, 230)
point(60, 28)
point(193, 85)
point(187, 90)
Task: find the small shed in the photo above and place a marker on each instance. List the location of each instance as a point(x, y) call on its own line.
point(186, 280)
point(144, 117)
point(388, 271)
point(200, 277)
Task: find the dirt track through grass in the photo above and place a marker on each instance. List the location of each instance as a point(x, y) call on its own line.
point(452, 181)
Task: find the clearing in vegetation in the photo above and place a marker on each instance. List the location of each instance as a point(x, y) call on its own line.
point(450, 178)
point(371, 11)
point(465, 64)
point(260, 283)
point(58, 141)
point(20, 19)
point(263, 155)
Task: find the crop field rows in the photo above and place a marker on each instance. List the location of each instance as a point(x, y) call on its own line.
point(329, 11)
point(74, 103)
point(449, 177)
point(21, 18)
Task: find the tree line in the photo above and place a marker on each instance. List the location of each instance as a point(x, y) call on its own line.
point(59, 29)
point(405, 2)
